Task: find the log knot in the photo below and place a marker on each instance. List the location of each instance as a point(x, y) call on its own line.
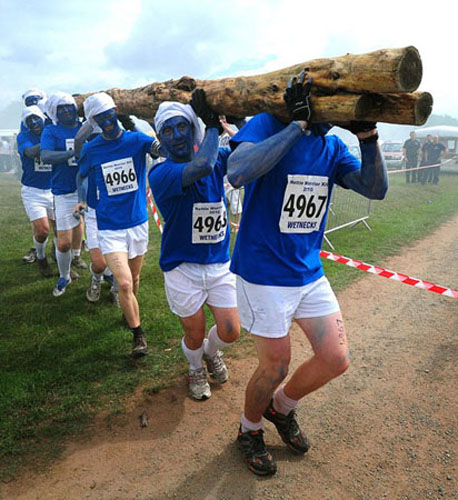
point(186, 83)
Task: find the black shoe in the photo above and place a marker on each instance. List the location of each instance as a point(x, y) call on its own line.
point(288, 428)
point(258, 459)
point(44, 267)
point(140, 347)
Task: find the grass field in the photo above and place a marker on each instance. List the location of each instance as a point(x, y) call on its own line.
point(62, 360)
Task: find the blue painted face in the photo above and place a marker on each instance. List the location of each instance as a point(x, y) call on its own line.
point(35, 124)
point(32, 100)
point(108, 122)
point(66, 115)
point(176, 137)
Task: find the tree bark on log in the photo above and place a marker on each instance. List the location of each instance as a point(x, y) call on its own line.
point(409, 108)
point(340, 91)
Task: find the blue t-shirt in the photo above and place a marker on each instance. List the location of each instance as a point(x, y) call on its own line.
point(285, 210)
point(196, 221)
point(60, 138)
point(34, 173)
point(118, 169)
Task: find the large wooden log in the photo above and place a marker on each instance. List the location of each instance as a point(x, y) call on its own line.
point(339, 86)
point(409, 108)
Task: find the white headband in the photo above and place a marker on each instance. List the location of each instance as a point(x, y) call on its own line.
point(34, 91)
point(29, 111)
point(57, 99)
point(169, 109)
point(96, 104)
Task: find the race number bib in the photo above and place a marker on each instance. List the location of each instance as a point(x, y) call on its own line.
point(119, 176)
point(70, 144)
point(42, 167)
point(304, 203)
point(209, 222)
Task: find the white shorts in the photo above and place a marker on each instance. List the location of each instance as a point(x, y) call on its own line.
point(64, 205)
point(38, 203)
point(133, 241)
point(268, 311)
point(189, 286)
point(92, 237)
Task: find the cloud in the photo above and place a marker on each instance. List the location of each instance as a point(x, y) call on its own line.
point(96, 45)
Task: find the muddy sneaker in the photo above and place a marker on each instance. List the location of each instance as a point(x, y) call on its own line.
point(31, 256)
point(288, 428)
point(198, 384)
point(140, 347)
point(74, 275)
point(78, 262)
point(115, 297)
point(61, 286)
point(216, 367)
point(93, 292)
point(258, 459)
point(44, 267)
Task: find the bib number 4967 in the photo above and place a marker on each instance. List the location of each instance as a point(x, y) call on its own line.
point(304, 204)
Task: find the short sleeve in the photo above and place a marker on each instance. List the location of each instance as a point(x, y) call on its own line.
point(23, 143)
point(84, 161)
point(259, 128)
point(48, 141)
point(165, 180)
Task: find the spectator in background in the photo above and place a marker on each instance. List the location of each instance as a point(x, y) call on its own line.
point(437, 152)
point(411, 150)
point(233, 196)
point(426, 159)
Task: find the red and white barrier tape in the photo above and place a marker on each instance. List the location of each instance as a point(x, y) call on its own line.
point(380, 271)
point(153, 209)
point(369, 268)
point(419, 168)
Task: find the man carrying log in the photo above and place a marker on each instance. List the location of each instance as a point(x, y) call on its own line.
point(57, 148)
point(288, 174)
point(189, 190)
point(115, 163)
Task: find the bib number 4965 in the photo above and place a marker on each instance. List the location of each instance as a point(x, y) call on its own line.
point(209, 222)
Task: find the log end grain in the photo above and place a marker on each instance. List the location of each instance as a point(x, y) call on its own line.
point(423, 108)
point(410, 70)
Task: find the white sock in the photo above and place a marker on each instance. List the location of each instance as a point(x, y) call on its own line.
point(213, 342)
point(193, 356)
point(97, 276)
point(41, 248)
point(282, 403)
point(64, 261)
point(76, 253)
point(107, 272)
point(248, 426)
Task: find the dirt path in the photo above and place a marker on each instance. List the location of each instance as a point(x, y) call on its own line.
point(387, 429)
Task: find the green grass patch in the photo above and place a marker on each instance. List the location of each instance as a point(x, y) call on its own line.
point(62, 360)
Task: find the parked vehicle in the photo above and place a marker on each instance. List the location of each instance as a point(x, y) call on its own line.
point(393, 154)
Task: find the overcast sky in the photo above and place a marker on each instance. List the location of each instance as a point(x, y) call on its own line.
point(88, 45)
